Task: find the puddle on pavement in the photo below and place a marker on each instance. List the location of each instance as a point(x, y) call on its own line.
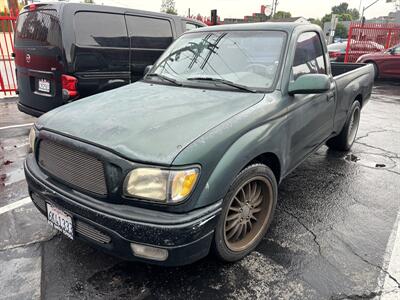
point(370, 160)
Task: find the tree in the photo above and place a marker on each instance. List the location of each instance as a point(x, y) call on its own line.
point(342, 8)
point(326, 18)
point(343, 12)
point(341, 31)
point(282, 15)
point(168, 6)
point(345, 17)
point(316, 22)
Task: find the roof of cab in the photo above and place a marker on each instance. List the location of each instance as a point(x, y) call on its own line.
point(283, 26)
point(103, 8)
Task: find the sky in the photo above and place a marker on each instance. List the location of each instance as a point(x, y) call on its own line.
point(240, 8)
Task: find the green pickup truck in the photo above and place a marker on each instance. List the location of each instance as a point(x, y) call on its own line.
point(189, 159)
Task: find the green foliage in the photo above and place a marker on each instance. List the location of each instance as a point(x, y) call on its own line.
point(282, 15)
point(345, 17)
point(316, 22)
point(168, 6)
point(343, 12)
point(326, 18)
point(342, 8)
point(341, 31)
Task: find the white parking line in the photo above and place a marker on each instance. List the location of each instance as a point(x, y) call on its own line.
point(15, 205)
point(390, 288)
point(16, 126)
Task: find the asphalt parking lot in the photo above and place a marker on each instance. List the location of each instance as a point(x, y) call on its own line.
point(335, 233)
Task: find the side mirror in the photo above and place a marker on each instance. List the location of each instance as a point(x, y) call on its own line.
point(392, 51)
point(147, 69)
point(310, 84)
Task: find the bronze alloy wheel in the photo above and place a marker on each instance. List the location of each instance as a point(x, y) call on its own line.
point(248, 214)
point(353, 125)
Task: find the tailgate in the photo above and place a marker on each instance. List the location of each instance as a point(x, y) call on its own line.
point(38, 59)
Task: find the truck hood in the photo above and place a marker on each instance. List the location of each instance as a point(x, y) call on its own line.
point(147, 122)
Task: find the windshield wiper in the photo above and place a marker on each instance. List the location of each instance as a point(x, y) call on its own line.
point(224, 81)
point(166, 78)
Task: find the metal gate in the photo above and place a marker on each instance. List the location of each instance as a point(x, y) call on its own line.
point(8, 84)
point(370, 37)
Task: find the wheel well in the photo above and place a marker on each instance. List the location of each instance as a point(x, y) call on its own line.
point(271, 160)
point(359, 98)
point(374, 63)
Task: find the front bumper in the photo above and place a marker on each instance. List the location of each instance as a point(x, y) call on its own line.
point(187, 237)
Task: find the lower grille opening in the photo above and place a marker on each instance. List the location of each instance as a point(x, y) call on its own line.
point(92, 233)
point(82, 228)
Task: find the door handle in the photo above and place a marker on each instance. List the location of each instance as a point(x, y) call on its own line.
point(330, 96)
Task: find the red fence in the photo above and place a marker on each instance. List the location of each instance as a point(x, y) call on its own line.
point(8, 84)
point(370, 37)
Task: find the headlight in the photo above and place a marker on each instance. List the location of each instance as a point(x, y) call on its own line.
point(168, 186)
point(31, 139)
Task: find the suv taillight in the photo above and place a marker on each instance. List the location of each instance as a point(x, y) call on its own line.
point(69, 86)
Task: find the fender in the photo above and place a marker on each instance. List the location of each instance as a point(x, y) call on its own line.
point(267, 138)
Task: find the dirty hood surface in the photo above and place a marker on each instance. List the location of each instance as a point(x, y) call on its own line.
point(147, 123)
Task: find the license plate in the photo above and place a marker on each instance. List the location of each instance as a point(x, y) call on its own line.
point(60, 220)
point(44, 85)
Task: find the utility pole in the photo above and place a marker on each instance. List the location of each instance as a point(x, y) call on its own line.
point(366, 7)
point(274, 6)
point(334, 21)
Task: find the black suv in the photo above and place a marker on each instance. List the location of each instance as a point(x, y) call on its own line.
point(66, 51)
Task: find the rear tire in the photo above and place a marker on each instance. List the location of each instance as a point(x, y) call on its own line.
point(347, 136)
point(376, 70)
point(247, 212)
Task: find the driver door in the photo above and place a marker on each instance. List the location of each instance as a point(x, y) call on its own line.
point(310, 115)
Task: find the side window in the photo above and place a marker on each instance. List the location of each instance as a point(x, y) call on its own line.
point(100, 29)
point(309, 56)
point(396, 50)
point(191, 26)
point(149, 33)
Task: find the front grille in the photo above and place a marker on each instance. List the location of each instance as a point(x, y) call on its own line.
point(91, 233)
point(72, 167)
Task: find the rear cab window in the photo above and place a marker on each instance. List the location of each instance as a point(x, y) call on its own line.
point(38, 28)
point(191, 26)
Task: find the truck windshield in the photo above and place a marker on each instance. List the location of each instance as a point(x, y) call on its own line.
point(38, 28)
point(247, 60)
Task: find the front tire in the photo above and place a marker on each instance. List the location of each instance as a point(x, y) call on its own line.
point(248, 209)
point(347, 136)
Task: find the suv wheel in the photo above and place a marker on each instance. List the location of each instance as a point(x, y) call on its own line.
point(247, 212)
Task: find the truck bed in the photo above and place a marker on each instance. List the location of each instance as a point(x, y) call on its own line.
point(339, 68)
point(353, 81)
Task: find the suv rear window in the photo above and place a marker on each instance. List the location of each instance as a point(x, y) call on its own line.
point(100, 30)
point(38, 28)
